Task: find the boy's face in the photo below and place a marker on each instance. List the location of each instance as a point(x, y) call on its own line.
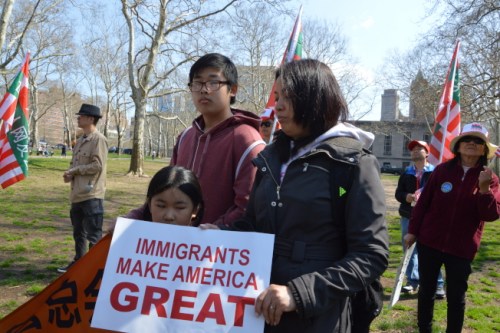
point(208, 100)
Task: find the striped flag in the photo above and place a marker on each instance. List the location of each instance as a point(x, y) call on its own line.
point(14, 129)
point(293, 52)
point(447, 122)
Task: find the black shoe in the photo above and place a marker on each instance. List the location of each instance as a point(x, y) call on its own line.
point(64, 269)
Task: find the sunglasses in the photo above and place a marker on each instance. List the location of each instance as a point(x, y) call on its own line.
point(266, 124)
point(476, 140)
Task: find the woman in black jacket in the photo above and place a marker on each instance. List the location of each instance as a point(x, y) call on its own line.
point(319, 192)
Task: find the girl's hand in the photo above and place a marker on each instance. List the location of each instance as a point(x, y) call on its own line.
point(207, 226)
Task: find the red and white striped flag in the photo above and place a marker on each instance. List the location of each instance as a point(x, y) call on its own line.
point(293, 52)
point(14, 130)
point(447, 122)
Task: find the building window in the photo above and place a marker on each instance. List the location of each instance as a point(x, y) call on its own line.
point(427, 137)
point(406, 141)
point(388, 144)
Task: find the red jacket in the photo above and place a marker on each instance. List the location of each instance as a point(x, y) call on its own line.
point(222, 160)
point(450, 213)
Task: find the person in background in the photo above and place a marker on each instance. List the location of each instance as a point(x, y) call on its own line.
point(410, 185)
point(326, 247)
point(222, 141)
point(448, 221)
point(173, 197)
point(269, 125)
point(87, 175)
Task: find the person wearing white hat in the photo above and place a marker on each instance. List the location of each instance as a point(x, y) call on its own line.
point(448, 221)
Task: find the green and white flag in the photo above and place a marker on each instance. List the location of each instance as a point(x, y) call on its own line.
point(14, 129)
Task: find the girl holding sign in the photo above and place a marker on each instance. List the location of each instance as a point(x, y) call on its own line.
point(318, 191)
point(173, 197)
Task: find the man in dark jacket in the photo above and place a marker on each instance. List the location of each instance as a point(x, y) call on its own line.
point(410, 185)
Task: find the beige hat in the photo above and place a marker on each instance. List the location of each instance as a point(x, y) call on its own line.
point(477, 130)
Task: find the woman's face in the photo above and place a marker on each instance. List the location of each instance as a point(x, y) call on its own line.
point(471, 147)
point(284, 110)
point(172, 206)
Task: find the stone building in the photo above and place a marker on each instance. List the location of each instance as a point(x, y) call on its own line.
point(394, 130)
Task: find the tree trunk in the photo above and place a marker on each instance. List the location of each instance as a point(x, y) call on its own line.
point(137, 159)
point(34, 118)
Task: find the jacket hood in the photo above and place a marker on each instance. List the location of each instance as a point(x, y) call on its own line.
point(239, 117)
point(342, 130)
point(349, 130)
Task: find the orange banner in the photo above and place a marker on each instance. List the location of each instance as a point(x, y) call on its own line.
point(67, 304)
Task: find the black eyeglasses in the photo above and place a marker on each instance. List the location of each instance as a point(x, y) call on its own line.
point(265, 124)
point(475, 139)
point(212, 85)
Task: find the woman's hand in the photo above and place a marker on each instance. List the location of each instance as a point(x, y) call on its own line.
point(409, 240)
point(484, 180)
point(273, 302)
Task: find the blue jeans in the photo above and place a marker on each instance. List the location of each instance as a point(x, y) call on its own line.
point(86, 218)
point(412, 275)
point(457, 274)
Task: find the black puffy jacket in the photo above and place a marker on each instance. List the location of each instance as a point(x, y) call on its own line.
point(322, 257)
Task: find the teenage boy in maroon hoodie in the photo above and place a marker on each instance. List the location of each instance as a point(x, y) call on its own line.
point(222, 141)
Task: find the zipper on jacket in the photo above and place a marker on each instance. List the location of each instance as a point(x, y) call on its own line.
point(278, 185)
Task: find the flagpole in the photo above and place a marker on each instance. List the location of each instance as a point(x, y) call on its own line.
point(273, 129)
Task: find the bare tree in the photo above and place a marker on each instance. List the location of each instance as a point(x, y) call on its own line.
point(14, 26)
point(154, 35)
point(49, 40)
point(258, 50)
point(325, 41)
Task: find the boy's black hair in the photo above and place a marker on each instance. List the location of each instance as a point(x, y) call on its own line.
point(219, 61)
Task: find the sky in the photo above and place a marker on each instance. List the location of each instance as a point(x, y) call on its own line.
point(374, 28)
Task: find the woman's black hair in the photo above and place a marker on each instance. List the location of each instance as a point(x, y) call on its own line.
point(318, 102)
point(180, 178)
point(483, 160)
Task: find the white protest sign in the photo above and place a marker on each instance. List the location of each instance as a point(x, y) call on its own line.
point(400, 276)
point(167, 278)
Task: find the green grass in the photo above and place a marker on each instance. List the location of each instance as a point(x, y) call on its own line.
point(35, 229)
point(35, 239)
